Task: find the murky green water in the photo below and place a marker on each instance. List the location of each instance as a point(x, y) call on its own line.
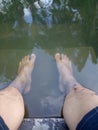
point(62, 31)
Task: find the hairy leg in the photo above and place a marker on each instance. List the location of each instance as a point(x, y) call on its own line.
point(11, 100)
point(79, 100)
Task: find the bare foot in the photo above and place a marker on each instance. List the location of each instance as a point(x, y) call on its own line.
point(23, 79)
point(66, 78)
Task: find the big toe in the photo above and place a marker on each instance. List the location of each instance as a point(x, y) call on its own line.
point(32, 58)
point(57, 57)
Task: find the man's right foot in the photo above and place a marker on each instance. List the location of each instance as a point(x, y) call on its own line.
point(66, 78)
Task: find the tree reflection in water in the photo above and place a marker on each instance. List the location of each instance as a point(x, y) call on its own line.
point(76, 20)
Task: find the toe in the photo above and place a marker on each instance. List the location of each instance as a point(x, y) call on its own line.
point(24, 60)
point(32, 58)
point(64, 58)
point(57, 57)
point(66, 61)
point(19, 68)
point(27, 58)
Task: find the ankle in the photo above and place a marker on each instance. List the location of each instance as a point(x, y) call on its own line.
point(17, 84)
point(68, 86)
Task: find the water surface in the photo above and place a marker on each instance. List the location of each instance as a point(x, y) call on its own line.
point(65, 28)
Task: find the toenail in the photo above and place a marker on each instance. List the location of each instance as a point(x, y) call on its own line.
point(57, 54)
point(32, 56)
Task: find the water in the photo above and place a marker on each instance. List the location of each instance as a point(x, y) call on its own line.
point(64, 28)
